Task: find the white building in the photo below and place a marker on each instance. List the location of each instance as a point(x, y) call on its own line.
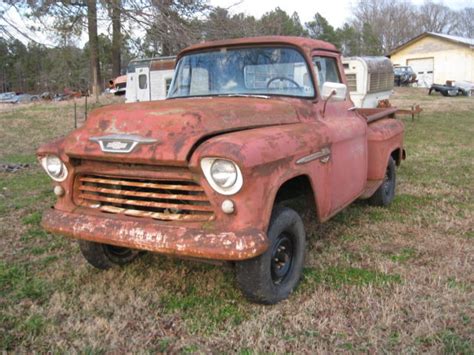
point(437, 58)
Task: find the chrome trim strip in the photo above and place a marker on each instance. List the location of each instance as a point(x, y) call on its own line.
point(324, 155)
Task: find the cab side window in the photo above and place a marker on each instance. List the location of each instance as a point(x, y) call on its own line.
point(326, 70)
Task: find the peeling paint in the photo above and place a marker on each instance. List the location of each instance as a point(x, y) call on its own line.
point(150, 236)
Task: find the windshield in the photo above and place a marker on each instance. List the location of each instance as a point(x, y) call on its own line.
point(242, 71)
point(402, 70)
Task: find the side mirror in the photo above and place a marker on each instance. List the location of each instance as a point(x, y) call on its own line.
point(334, 91)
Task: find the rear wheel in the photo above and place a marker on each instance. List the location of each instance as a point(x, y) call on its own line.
point(386, 192)
point(272, 276)
point(104, 256)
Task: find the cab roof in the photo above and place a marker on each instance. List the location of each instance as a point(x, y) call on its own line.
point(306, 44)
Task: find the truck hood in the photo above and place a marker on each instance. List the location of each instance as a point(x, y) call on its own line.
point(168, 131)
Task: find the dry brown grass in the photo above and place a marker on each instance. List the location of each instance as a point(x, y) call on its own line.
point(379, 280)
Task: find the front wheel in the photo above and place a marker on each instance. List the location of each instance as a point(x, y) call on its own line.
point(104, 256)
point(272, 276)
point(386, 192)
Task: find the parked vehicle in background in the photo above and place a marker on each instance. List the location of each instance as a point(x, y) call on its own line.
point(46, 95)
point(447, 90)
point(27, 98)
point(119, 85)
point(404, 75)
point(466, 87)
point(14, 98)
point(369, 80)
point(249, 126)
point(8, 97)
point(149, 79)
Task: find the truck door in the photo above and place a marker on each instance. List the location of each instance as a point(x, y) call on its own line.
point(348, 136)
point(143, 84)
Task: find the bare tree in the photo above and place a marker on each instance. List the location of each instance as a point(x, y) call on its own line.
point(93, 47)
point(169, 24)
point(115, 14)
point(435, 17)
point(465, 22)
point(389, 22)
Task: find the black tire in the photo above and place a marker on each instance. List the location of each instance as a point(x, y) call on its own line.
point(386, 192)
point(104, 256)
point(272, 276)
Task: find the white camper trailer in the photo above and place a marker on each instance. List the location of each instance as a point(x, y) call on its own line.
point(149, 79)
point(369, 80)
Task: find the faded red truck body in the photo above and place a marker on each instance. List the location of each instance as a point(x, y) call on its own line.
point(134, 172)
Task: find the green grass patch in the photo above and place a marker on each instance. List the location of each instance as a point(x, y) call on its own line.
point(452, 282)
point(24, 189)
point(34, 325)
point(19, 159)
point(206, 310)
point(337, 276)
point(36, 240)
point(404, 255)
point(91, 350)
point(455, 344)
point(17, 282)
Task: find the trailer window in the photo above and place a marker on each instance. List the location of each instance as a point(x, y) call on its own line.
point(326, 70)
point(142, 81)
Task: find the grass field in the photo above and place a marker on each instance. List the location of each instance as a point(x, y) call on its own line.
point(387, 280)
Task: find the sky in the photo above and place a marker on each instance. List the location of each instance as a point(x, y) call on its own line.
point(335, 11)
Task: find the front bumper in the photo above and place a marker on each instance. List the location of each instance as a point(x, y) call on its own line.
point(157, 237)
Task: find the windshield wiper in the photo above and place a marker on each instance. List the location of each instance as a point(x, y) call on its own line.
point(244, 95)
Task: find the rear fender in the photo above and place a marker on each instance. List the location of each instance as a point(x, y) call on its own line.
point(384, 137)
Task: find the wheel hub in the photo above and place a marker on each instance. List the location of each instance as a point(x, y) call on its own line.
point(282, 258)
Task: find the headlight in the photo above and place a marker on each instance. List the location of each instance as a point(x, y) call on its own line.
point(54, 167)
point(223, 175)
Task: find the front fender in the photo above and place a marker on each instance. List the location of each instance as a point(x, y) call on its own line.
point(267, 158)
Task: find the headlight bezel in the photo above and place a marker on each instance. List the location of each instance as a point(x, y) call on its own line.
point(206, 166)
point(63, 173)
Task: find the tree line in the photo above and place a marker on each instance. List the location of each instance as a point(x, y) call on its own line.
point(146, 28)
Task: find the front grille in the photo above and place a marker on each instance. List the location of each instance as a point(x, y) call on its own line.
point(166, 200)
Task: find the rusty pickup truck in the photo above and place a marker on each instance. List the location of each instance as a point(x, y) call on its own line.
point(248, 124)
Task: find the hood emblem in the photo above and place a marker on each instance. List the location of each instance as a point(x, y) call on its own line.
point(121, 143)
